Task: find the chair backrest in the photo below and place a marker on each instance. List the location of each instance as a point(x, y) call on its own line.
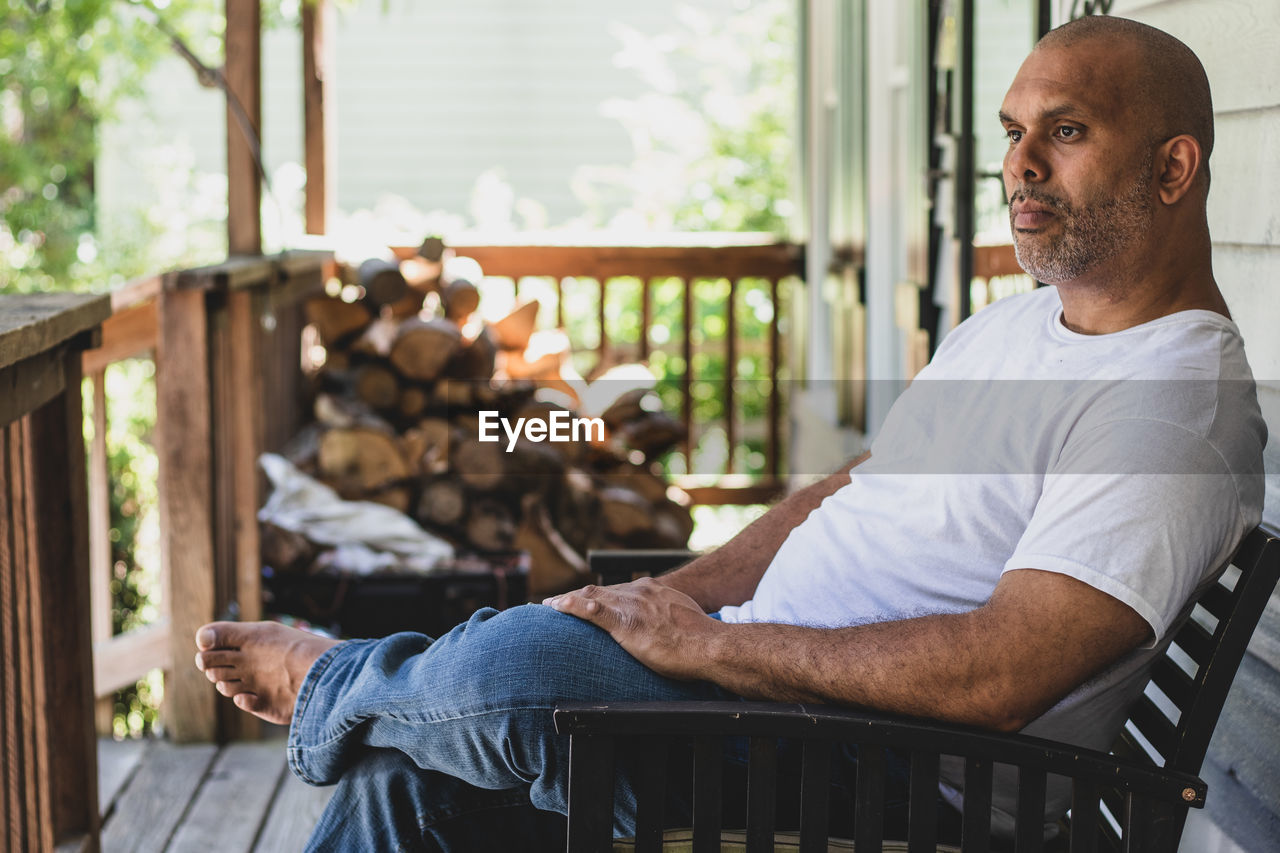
point(1171, 725)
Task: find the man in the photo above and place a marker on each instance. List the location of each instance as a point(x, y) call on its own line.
point(1020, 542)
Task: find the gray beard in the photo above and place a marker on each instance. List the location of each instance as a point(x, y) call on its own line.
point(1091, 234)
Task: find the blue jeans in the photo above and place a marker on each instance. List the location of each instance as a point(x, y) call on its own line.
point(450, 745)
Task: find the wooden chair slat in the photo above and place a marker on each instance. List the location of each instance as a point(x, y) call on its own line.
point(762, 794)
point(1149, 826)
point(1174, 682)
point(815, 803)
point(708, 751)
point(868, 821)
point(975, 834)
point(922, 805)
point(1127, 747)
point(591, 775)
point(1084, 816)
point(1028, 833)
point(1108, 839)
point(1218, 600)
point(1193, 639)
point(1154, 726)
point(651, 794)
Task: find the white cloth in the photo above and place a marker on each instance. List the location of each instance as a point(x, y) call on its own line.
point(1130, 461)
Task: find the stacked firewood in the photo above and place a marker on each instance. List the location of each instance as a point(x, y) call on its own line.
point(408, 374)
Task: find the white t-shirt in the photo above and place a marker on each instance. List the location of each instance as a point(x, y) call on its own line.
point(1130, 461)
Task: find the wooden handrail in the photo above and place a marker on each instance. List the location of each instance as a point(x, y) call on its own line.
point(688, 257)
point(47, 752)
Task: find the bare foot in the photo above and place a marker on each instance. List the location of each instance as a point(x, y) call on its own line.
point(260, 665)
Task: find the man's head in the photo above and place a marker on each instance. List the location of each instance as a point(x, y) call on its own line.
point(1110, 127)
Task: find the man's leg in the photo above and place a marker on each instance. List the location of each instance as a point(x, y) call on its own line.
point(386, 802)
point(475, 705)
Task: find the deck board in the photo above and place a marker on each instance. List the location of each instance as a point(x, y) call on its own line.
point(156, 799)
point(117, 761)
point(237, 798)
point(293, 815)
point(232, 803)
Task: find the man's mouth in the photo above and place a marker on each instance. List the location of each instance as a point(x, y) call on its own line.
point(1030, 215)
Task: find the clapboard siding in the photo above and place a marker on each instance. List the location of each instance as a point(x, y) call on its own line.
point(1246, 175)
point(427, 96)
point(1239, 43)
point(1237, 40)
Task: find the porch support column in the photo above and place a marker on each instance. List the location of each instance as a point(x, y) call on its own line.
point(244, 126)
point(318, 28)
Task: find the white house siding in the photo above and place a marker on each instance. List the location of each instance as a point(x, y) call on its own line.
point(429, 95)
point(1239, 43)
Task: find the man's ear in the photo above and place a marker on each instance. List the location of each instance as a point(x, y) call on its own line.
point(1177, 164)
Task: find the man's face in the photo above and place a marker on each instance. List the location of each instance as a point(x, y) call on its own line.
point(1077, 172)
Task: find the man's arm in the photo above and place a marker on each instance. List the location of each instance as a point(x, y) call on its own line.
point(999, 666)
point(729, 574)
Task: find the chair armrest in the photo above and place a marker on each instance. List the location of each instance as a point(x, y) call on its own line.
point(613, 567)
point(777, 720)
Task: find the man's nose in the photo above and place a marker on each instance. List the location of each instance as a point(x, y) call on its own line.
point(1025, 163)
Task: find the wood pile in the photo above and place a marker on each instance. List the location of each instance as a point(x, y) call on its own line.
point(410, 370)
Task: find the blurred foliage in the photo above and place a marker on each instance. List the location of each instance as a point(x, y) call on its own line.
point(714, 135)
point(133, 470)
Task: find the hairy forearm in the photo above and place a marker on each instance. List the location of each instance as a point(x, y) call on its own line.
point(729, 574)
point(933, 666)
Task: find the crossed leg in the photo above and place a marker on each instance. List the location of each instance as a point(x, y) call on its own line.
point(474, 706)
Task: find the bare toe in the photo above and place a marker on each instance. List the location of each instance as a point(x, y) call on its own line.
point(217, 635)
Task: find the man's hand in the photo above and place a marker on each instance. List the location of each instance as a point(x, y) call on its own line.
point(661, 627)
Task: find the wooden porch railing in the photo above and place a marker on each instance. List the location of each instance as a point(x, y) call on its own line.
point(48, 775)
point(225, 340)
point(771, 261)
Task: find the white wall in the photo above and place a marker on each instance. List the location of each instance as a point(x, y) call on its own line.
point(430, 94)
point(1239, 43)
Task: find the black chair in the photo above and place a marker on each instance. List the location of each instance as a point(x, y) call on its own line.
point(1132, 799)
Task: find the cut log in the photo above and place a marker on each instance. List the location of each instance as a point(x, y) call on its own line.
point(340, 411)
point(443, 503)
point(460, 299)
point(377, 338)
point(303, 449)
point(554, 566)
point(474, 361)
point(358, 462)
point(335, 320)
point(512, 332)
point(533, 467)
point(285, 550)
point(423, 347)
point(630, 405)
point(653, 435)
point(426, 446)
point(396, 497)
point(490, 527)
point(639, 479)
point(625, 513)
point(383, 283)
point(377, 385)
point(413, 402)
point(479, 464)
point(673, 525)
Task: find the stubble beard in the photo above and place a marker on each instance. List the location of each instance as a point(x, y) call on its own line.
point(1090, 233)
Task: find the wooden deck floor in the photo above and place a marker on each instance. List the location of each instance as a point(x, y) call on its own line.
point(239, 798)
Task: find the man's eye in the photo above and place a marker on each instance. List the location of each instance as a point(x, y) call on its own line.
point(1068, 132)
point(1014, 135)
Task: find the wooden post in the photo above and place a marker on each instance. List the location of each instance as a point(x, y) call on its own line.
point(186, 514)
point(59, 573)
point(318, 112)
point(244, 106)
point(99, 544)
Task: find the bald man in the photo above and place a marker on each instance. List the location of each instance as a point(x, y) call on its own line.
point(1013, 552)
